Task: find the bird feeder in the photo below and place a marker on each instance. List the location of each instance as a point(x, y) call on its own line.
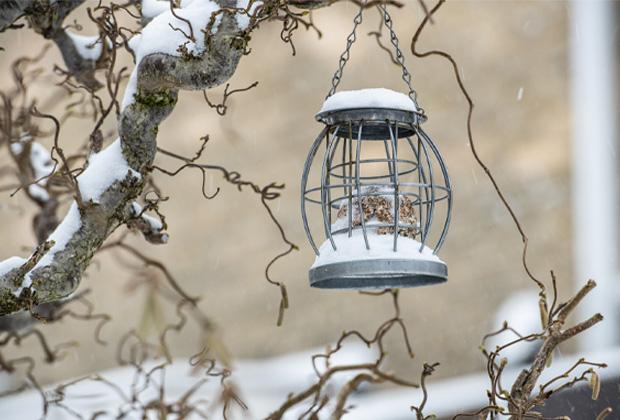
point(380, 189)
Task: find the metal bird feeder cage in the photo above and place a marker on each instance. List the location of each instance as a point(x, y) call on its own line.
point(381, 185)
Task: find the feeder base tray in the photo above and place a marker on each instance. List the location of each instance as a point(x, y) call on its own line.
point(378, 274)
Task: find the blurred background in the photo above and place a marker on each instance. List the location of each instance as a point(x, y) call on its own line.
point(523, 63)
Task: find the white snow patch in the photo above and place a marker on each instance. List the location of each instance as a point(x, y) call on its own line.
point(243, 17)
point(104, 168)
point(368, 98)
point(381, 247)
point(17, 148)
point(41, 161)
point(132, 85)
point(289, 373)
point(152, 8)
point(286, 374)
point(38, 192)
point(61, 237)
point(11, 264)
point(155, 224)
point(160, 36)
point(136, 209)
point(88, 47)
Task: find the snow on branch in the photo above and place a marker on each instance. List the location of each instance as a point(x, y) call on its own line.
point(104, 169)
point(152, 8)
point(166, 62)
point(88, 47)
point(40, 163)
point(151, 227)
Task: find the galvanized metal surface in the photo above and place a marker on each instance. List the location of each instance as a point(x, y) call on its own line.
point(411, 167)
point(378, 274)
point(374, 120)
point(412, 170)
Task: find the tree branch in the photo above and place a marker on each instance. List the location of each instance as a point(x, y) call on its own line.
point(522, 388)
point(47, 19)
point(12, 10)
point(159, 77)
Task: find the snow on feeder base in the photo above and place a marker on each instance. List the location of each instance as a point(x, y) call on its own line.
point(352, 266)
point(382, 186)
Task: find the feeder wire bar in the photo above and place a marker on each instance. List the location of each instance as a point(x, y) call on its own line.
point(324, 188)
point(395, 180)
point(358, 185)
point(304, 185)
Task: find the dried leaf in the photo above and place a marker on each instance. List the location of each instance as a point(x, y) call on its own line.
point(544, 314)
point(595, 385)
point(549, 360)
point(604, 413)
point(152, 320)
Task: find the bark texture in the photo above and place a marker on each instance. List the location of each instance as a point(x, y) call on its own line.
point(47, 18)
point(160, 77)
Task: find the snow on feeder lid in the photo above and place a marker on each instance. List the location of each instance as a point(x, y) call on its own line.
point(383, 189)
point(368, 98)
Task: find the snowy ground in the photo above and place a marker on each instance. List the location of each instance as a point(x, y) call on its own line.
point(264, 384)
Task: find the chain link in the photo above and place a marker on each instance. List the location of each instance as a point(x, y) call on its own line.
point(344, 57)
point(388, 22)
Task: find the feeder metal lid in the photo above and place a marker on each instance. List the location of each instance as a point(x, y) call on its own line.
point(370, 105)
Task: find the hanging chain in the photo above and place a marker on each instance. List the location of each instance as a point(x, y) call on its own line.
point(387, 20)
point(344, 57)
